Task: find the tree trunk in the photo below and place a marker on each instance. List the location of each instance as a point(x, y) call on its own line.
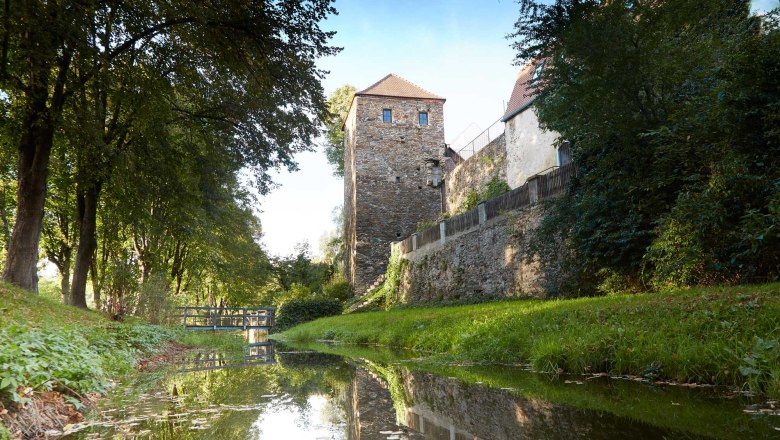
point(34, 152)
point(65, 281)
point(87, 200)
point(97, 284)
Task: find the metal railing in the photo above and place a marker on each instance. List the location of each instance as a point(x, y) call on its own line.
point(219, 318)
point(481, 140)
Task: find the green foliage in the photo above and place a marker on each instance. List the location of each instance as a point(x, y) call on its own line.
point(47, 359)
point(299, 268)
point(494, 188)
point(470, 202)
point(424, 225)
point(47, 345)
point(395, 268)
point(296, 292)
point(685, 335)
point(672, 109)
point(338, 105)
point(298, 311)
point(759, 364)
point(337, 288)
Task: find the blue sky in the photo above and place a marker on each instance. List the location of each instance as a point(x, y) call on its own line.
point(456, 49)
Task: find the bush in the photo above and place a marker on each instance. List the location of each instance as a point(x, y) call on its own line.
point(494, 188)
point(297, 292)
point(337, 288)
point(297, 311)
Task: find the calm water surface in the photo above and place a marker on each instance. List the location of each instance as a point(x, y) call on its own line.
point(276, 392)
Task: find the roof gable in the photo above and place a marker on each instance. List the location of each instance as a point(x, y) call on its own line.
point(523, 93)
point(395, 86)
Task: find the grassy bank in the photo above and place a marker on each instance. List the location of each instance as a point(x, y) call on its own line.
point(51, 354)
point(726, 418)
point(724, 335)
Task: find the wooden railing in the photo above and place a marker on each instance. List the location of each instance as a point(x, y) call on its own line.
point(223, 318)
point(550, 183)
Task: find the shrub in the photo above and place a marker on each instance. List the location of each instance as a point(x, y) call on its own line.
point(297, 292)
point(337, 288)
point(494, 188)
point(297, 311)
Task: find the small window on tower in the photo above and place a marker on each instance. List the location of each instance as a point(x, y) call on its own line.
point(423, 117)
point(387, 115)
point(397, 179)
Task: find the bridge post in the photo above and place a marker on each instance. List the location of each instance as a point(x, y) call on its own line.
point(185, 317)
point(244, 318)
point(213, 318)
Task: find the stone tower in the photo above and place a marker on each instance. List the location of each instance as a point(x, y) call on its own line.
point(393, 136)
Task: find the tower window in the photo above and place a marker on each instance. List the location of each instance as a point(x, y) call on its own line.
point(423, 118)
point(387, 115)
point(397, 179)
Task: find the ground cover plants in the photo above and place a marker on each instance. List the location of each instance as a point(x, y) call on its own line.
point(717, 335)
point(55, 353)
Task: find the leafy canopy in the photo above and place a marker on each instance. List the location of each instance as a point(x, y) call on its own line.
point(672, 109)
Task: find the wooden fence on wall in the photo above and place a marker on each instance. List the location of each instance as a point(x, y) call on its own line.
point(546, 185)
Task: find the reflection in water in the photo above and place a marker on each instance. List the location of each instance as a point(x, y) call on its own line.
point(259, 353)
point(280, 393)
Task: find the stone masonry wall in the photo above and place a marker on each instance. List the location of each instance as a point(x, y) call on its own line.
point(388, 194)
point(350, 138)
point(486, 261)
point(475, 173)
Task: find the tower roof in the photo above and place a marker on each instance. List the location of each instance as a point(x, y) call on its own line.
point(395, 86)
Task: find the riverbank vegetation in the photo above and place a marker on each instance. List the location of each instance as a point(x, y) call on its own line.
point(716, 335)
point(405, 374)
point(55, 358)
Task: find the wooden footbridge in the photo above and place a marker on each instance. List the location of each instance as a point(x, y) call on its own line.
point(224, 318)
point(255, 354)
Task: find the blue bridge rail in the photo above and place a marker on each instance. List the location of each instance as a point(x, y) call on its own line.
point(223, 318)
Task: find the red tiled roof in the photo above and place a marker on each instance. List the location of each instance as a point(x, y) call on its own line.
point(395, 86)
point(522, 94)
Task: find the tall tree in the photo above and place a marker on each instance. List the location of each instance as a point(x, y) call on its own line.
point(338, 105)
point(236, 50)
point(675, 143)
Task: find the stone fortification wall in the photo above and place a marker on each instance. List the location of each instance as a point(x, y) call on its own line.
point(486, 261)
point(385, 180)
point(475, 173)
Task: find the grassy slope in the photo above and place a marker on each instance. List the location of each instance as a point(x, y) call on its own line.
point(723, 335)
point(17, 306)
point(52, 342)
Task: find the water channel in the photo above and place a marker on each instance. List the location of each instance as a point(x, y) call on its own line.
point(342, 392)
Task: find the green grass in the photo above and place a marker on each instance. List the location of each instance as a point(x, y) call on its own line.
point(45, 345)
point(718, 335)
point(626, 399)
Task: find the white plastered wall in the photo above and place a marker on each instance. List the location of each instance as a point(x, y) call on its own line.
point(529, 149)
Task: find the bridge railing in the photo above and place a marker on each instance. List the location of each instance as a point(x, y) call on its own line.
point(257, 354)
point(223, 317)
